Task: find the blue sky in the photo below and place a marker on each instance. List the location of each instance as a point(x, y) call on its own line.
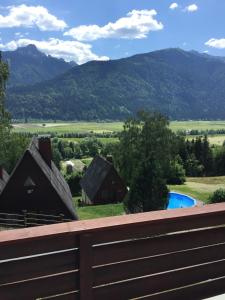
point(84, 30)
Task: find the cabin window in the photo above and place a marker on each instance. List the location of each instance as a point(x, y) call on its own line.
point(29, 185)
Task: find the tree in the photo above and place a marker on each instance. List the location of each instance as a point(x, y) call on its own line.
point(73, 181)
point(5, 125)
point(12, 145)
point(177, 172)
point(143, 156)
point(148, 189)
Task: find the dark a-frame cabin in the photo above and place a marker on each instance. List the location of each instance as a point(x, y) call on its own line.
point(36, 185)
point(101, 183)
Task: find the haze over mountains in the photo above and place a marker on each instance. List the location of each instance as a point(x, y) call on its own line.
point(180, 84)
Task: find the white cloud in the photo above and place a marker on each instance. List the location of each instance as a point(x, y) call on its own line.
point(136, 25)
point(173, 5)
point(68, 50)
point(19, 34)
point(191, 8)
point(216, 43)
point(30, 16)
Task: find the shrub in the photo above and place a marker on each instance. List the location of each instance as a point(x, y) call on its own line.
point(73, 181)
point(217, 196)
point(177, 173)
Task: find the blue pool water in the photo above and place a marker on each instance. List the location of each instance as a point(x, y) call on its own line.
point(180, 201)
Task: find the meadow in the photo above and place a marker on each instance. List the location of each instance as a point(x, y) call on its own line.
point(66, 127)
point(107, 127)
point(200, 188)
point(103, 140)
point(99, 127)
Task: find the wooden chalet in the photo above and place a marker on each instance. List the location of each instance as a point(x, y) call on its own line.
point(3, 178)
point(37, 186)
point(102, 184)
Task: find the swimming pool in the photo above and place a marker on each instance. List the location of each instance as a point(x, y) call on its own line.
point(180, 201)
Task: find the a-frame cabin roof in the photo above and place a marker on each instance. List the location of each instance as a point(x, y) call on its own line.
point(95, 175)
point(52, 186)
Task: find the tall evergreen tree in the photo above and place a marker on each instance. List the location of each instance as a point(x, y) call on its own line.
point(143, 158)
point(11, 145)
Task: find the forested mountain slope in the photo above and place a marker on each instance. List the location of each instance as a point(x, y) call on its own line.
point(180, 84)
point(28, 65)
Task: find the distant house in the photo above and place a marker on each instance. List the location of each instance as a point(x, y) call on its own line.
point(3, 178)
point(69, 167)
point(102, 184)
point(36, 185)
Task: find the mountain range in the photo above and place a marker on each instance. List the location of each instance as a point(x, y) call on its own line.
point(180, 84)
point(28, 66)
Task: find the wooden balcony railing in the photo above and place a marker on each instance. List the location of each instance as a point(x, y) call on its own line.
point(29, 219)
point(176, 254)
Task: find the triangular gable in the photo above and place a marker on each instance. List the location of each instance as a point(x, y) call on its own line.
point(45, 197)
point(95, 176)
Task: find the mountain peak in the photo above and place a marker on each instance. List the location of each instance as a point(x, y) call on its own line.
point(30, 49)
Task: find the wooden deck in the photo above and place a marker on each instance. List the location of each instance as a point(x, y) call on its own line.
point(176, 254)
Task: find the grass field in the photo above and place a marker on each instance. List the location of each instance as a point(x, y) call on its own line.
point(69, 127)
point(99, 127)
point(200, 188)
point(100, 211)
point(103, 140)
point(199, 125)
point(213, 139)
point(216, 139)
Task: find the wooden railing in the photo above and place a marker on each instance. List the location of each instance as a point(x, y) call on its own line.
point(29, 219)
point(177, 254)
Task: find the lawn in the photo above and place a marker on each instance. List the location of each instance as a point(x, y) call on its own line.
point(99, 211)
point(200, 188)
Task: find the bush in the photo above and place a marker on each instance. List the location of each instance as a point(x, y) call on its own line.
point(217, 196)
point(73, 181)
point(177, 173)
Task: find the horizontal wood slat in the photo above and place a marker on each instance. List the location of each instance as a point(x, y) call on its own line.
point(19, 270)
point(40, 287)
point(116, 252)
point(67, 296)
point(197, 292)
point(103, 230)
point(166, 250)
point(142, 267)
point(38, 246)
point(161, 282)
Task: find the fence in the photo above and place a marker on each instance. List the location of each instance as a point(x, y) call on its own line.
point(176, 254)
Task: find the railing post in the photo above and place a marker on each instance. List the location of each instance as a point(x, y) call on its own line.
point(86, 262)
point(25, 218)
